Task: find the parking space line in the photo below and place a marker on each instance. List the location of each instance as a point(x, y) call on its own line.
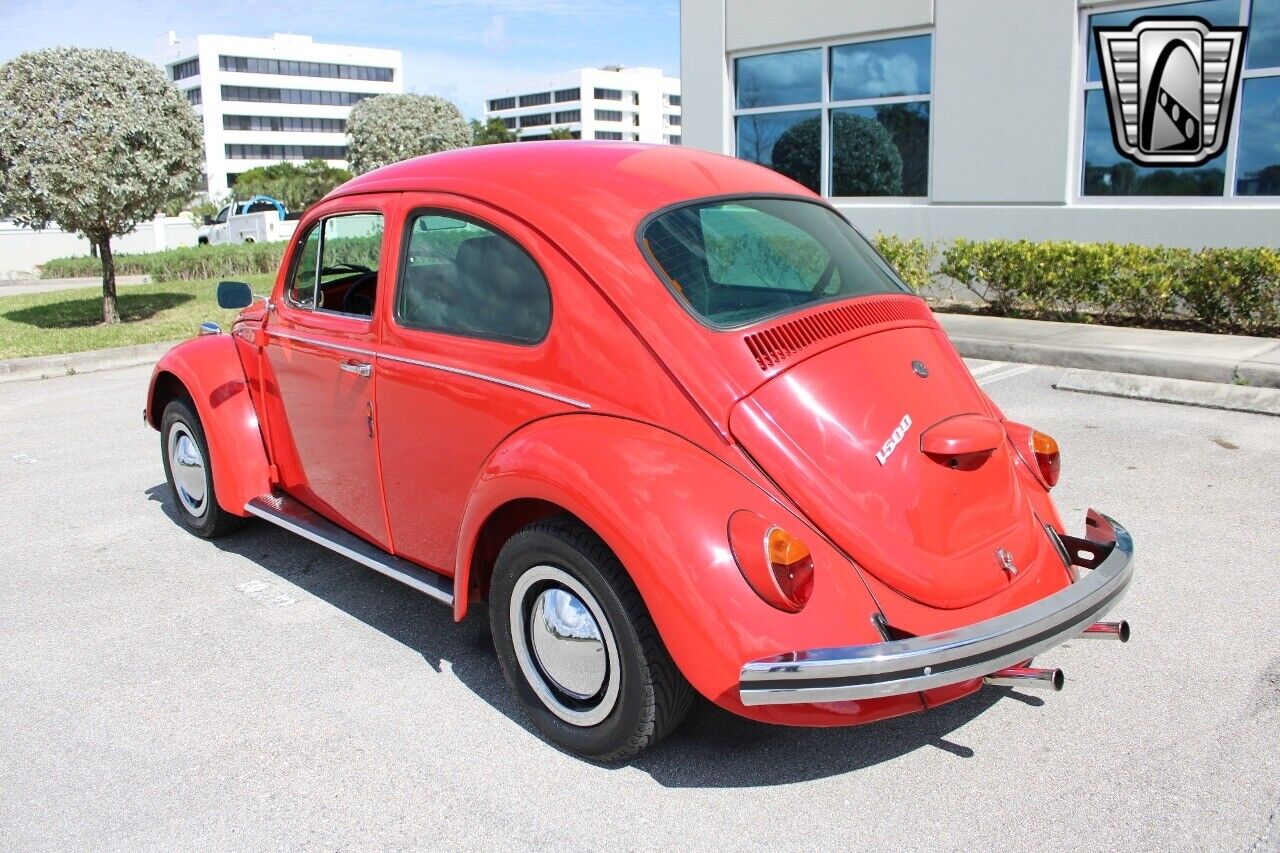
point(1008, 374)
point(988, 367)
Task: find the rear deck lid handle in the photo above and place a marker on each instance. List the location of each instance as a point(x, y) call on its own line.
point(962, 436)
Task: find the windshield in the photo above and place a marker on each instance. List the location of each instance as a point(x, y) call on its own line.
point(732, 262)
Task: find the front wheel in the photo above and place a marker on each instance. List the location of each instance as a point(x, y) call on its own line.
point(186, 466)
point(577, 645)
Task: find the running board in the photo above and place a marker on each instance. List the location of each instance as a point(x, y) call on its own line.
point(293, 516)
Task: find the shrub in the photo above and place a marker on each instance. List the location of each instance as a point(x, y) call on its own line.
point(912, 258)
point(188, 263)
point(1233, 289)
point(1220, 289)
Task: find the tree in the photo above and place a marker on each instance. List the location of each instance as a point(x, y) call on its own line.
point(95, 141)
point(865, 161)
point(297, 186)
point(561, 133)
point(390, 128)
point(491, 132)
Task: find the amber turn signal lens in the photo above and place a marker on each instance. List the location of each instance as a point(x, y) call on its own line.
point(791, 564)
point(1045, 450)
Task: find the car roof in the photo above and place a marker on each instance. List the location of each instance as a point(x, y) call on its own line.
point(531, 179)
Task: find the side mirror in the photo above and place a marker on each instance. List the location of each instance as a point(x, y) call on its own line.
point(208, 220)
point(234, 294)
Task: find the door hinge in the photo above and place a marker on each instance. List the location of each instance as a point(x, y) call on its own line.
point(273, 474)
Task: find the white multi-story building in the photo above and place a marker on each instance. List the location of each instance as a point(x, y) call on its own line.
point(628, 104)
point(264, 101)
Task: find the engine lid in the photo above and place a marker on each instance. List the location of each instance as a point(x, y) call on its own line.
point(892, 450)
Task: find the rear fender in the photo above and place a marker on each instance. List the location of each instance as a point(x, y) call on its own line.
point(208, 370)
point(662, 505)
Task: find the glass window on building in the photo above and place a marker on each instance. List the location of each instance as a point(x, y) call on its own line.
point(1248, 166)
point(183, 70)
point(866, 135)
point(563, 95)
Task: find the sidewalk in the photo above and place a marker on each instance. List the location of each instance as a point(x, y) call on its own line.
point(1149, 352)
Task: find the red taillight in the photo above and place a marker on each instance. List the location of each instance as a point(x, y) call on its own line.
point(777, 565)
point(1038, 450)
point(791, 564)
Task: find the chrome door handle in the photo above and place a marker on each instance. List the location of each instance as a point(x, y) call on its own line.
point(360, 368)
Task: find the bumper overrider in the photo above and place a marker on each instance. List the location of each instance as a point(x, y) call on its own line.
point(1102, 563)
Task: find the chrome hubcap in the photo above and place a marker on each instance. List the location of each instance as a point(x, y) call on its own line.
point(564, 646)
point(567, 644)
point(186, 466)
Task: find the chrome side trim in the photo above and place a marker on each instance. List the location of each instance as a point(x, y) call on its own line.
point(303, 339)
point(962, 654)
point(430, 365)
point(296, 518)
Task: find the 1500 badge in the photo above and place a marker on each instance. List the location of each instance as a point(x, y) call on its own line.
point(889, 446)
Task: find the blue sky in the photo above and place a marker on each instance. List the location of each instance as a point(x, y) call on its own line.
point(454, 48)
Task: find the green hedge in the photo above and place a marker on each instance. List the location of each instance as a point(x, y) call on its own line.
point(913, 258)
point(188, 263)
point(1226, 290)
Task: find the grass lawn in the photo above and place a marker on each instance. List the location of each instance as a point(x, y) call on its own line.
point(71, 320)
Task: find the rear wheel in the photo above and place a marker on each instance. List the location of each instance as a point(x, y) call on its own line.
point(186, 467)
point(577, 645)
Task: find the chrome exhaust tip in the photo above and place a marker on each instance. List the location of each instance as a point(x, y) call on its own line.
point(1107, 631)
point(1030, 677)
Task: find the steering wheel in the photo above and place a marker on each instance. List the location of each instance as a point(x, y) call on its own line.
point(359, 296)
point(337, 268)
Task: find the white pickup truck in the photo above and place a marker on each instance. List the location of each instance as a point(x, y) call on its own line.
point(260, 219)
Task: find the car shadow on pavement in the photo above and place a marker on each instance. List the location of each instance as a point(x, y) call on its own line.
point(712, 748)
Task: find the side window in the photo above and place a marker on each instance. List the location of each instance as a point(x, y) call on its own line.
point(302, 288)
point(350, 255)
point(337, 267)
point(463, 278)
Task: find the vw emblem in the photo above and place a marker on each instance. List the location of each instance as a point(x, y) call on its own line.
point(920, 369)
point(1006, 561)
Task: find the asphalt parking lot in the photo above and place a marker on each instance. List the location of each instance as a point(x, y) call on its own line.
point(158, 691)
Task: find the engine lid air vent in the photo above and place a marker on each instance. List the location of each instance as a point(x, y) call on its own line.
point(775, 344)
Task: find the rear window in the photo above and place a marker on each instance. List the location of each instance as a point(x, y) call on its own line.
point(734, 262)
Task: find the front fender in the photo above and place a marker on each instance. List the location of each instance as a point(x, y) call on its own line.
point(208, 369)
point(662, 504)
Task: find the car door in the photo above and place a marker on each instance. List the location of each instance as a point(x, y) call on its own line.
point(469, 354)
point(321, 347)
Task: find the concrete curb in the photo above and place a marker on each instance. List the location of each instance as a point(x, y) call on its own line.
point(1148, 352)
point(1187, 392)
point(48, 366)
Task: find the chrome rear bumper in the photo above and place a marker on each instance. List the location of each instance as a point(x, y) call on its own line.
point(1103, 564)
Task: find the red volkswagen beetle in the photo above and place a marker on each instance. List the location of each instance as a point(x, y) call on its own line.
point(668, 414)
